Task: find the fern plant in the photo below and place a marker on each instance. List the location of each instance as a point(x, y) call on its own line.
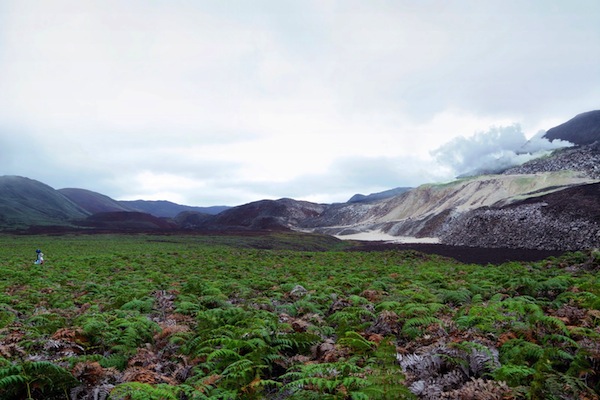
point(415, 327)
point(241, 347)
point(357, 343)
point(554, 286)
point(144, 391)
point(384, 374)
point(47, 322)
point(557, 385)
point(550, 383)
point(520, 352)
point(455, 297)
point(128, 332)
point(514, 375)
point(326, 381)
point(415, 310)
point(41, 379)
point(351, 318)
point(143, 306)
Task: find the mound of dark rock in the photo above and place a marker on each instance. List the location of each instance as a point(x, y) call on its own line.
point(568, 219)
point(581, 130)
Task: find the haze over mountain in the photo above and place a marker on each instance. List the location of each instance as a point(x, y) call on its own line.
point(92, 202)
point(547, 203)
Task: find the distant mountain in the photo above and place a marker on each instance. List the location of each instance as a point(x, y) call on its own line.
point(162, 208)
point(92, 202)
point(25, 202)
point(581, 130)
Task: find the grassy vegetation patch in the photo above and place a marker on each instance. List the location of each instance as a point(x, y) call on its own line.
point(289, 316)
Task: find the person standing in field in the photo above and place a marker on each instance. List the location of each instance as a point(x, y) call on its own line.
point(40, 257)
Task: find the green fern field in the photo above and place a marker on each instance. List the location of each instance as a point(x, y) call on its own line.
point(289, 317)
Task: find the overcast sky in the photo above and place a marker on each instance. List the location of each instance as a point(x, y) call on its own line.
point(225, 102)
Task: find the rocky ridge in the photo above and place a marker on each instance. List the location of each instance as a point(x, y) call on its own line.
point(585, 159)
point(580, 130)
point(524, 226)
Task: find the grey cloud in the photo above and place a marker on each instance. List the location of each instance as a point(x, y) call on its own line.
point(382, 172)
point(349, 176)
point(23, 153)
point(491, 58)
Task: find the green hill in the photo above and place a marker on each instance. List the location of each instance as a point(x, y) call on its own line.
point(25, 202)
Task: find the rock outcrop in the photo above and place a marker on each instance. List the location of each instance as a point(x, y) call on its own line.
point(584, 159)
point(565, 220)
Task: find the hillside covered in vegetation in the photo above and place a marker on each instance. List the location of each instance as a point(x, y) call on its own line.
point(288, 317)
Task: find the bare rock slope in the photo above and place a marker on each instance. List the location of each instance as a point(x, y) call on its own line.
point(568, 219)
point(427, 210)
